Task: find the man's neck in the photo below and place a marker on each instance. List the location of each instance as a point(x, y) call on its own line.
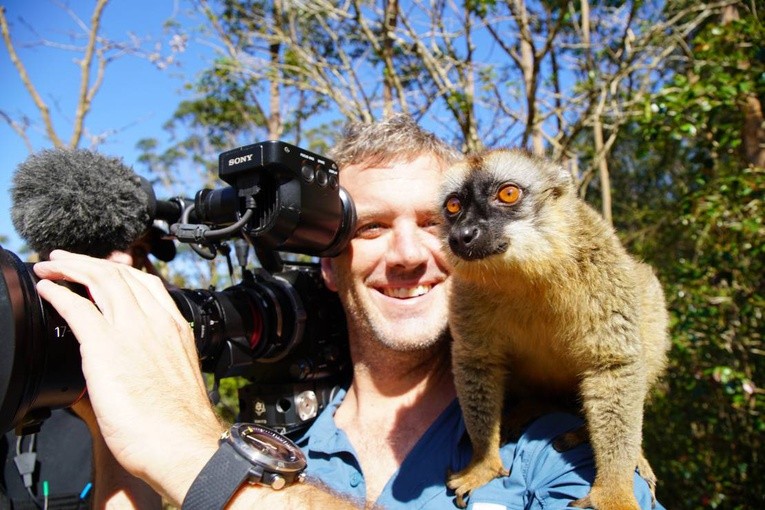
point(391, 403)
point(402, 379)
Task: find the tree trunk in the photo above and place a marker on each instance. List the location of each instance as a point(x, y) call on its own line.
point(389, 26)
point(753, 132)
point(274, 115)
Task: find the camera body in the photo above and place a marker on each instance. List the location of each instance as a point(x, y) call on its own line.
point(302, 199)
point(291, 199)
point(280, 327)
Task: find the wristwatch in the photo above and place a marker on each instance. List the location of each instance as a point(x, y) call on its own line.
point(247, 453)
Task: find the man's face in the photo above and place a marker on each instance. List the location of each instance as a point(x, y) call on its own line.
point(392, 278)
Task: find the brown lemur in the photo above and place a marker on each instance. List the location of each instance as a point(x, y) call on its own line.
point(547, 305)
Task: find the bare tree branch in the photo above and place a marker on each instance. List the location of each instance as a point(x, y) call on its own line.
point(19, 129)
point(87, 92)
point(95, 56)
point(39, 103)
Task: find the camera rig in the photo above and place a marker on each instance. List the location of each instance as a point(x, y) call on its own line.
point(280, 327)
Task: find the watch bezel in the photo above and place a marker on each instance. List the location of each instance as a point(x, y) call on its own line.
point(239, 436)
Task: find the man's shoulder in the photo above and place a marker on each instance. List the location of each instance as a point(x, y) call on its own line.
point(544, 429)
point(534, 452)
point(543, 475)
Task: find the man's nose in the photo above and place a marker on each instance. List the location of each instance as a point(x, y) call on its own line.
point(407, 248)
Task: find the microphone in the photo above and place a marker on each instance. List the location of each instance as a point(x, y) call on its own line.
point(80, 201)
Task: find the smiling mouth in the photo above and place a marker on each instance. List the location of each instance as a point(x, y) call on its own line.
point(407, 292)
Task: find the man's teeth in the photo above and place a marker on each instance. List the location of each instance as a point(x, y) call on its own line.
point(407, 292)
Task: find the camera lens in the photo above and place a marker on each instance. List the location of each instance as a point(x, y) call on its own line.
point(273, 328)
point(260, 318)
point(39, 355)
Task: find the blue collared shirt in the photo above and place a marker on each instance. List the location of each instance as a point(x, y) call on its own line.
point(540, 477)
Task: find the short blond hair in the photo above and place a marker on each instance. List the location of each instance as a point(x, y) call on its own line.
point(394, 138)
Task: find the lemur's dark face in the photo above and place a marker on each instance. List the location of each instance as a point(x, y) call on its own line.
point(496, 204)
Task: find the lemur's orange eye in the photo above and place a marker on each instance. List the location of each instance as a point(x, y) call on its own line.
point(509, 194)
point(453, 205)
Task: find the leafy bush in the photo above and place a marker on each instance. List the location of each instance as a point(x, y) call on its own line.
point(704, 429)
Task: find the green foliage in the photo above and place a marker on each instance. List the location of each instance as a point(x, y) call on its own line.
point(226, 103)
point(228, 405)
point(704, 431)
point(702, 102)
point(692, 184)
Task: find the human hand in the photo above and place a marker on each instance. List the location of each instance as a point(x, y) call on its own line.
point(141, 367)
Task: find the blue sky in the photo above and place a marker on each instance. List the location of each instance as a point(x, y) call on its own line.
point(135, 100)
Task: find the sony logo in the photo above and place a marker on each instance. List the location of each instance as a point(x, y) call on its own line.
point(240, 159)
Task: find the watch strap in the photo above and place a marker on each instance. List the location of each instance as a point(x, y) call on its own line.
point(218, 481)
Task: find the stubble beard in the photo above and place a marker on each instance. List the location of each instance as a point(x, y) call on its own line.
point(369, 327)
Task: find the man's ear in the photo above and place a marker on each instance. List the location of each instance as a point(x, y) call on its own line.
point(328, 273)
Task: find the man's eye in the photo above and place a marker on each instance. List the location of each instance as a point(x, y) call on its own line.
point(370, 230)
point(432, 224)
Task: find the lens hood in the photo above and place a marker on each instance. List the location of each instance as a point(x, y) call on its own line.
point(11, 353)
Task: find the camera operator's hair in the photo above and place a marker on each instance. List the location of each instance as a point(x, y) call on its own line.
point(397, 137)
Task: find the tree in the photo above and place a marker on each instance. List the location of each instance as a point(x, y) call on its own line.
point(559, 78)
point(93, 57)
point(703, 204)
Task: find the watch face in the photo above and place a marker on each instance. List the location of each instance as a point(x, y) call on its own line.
point(268, 447)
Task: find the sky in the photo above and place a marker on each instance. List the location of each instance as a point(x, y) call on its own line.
point(135, 100)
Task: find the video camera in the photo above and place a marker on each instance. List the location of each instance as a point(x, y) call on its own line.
point(280, 327)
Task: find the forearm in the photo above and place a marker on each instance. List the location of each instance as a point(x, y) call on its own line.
point(305, 496)
point(180, 456)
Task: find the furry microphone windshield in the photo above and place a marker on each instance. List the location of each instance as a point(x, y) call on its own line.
point(78, 200)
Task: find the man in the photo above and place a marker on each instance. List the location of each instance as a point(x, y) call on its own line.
point(390, 439)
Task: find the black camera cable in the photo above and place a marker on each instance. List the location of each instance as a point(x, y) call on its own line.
point(200, 236)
